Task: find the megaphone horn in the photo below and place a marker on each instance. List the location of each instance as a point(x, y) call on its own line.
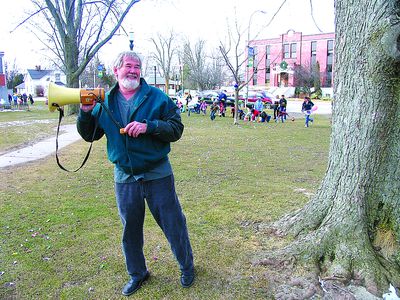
point(60, 96)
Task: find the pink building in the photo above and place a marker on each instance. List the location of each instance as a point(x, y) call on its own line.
point(278, 62)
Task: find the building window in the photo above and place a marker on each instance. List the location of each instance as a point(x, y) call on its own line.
point(289, 50)
point(330, 45)
point(293, 51)
point(267, 64)
point(57, 77)
point(329, 64)
point(286, 51)
point(313, 59)
point(328, 81)
point(313, 47)
point(255, 76)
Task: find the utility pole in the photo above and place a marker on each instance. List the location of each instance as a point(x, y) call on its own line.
point(155, 76)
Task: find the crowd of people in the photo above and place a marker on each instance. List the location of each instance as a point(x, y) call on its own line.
point(17, 101)
point(256, 113)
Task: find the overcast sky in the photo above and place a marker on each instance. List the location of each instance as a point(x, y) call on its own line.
point(194, 19)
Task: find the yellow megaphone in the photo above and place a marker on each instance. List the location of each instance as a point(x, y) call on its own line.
point(59, 96)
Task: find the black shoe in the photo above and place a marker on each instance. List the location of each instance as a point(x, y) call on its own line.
point(133, 285)
point(187, 280)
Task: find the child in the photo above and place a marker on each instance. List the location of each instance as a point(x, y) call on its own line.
point(306, 108)
point(203, 107)
point(213, 110)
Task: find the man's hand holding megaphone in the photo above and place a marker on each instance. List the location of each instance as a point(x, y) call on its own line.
point(88, 107)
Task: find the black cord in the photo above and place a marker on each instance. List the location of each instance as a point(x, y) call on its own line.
point(61, 115)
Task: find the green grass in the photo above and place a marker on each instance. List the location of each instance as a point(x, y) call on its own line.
point(60, 232)
point(22, 127)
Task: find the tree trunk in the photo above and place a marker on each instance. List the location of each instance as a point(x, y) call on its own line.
point(236, 114)
point(351, 227)
point(71, 64)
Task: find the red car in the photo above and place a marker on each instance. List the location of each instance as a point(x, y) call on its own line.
point(254, 96)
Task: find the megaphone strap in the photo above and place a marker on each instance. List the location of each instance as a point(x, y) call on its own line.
point(102, 105)
point(61, 114)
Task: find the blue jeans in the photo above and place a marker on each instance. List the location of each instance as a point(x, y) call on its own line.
point(308, 118)
point(164, 205)
point(212, 115)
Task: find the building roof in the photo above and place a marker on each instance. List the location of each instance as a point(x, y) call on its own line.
point(20, 86)
point(38, 74)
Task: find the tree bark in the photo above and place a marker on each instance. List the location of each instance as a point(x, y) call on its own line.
point(358, 202)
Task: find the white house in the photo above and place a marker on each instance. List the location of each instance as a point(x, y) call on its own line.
point(36, 81)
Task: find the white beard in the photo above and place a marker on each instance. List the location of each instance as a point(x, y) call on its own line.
point(130, 84)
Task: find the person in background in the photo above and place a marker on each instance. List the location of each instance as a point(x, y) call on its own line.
point(282, 108)
point(31, 99)
point(140, 122)
point(188, 99)
point(276, 107)
point(203, 107)
point(213, 110)
point(265, 117)
point(222, 98)
point(15, 100)
point(306, 108)
point(25, 99)
point(258, 105)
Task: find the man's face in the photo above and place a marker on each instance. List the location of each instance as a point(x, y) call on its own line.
point(128, 75)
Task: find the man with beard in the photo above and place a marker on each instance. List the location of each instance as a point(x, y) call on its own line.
point(140, 122)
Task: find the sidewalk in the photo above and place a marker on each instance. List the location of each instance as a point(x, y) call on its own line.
point(40, 149)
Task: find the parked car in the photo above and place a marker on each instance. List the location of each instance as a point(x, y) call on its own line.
point(254, 96)
point(208, 95)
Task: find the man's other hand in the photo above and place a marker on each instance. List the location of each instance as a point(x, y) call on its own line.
point(134, 128)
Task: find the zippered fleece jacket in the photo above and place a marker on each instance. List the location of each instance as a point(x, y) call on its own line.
point(143, 153)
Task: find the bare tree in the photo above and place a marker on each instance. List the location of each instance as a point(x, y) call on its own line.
point(234, 57)
point(205, 72)
point(92, 77)
point(75, 30)
point(349, 231)
point(13, 76)
point(307, 78)
point(165, 50)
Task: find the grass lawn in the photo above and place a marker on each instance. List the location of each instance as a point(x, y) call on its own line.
point(60, 232)
point(22, 127)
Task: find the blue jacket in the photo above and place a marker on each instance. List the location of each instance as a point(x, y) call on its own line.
point(141, 154)
point(259, 105)
point(307, 105)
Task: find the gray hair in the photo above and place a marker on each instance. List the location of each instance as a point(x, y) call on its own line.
point(120, 58)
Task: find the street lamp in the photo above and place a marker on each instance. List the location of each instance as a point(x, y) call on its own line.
point(248, 53)
point(131, 40)
point(181, 71)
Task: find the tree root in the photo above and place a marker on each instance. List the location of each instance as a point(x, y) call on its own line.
point(327, 266)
